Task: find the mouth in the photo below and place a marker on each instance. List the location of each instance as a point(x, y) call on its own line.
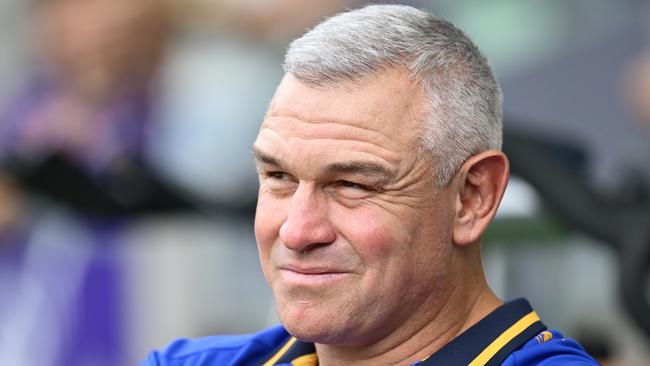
point(311, 276)
point(310, 270)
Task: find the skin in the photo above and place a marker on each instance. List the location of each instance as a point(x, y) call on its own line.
point(366, 257)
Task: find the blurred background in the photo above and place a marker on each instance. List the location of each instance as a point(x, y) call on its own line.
point(127, 189)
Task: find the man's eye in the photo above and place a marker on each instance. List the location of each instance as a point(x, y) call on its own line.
point(348, 184)
point(277, 175)
point(279, 181)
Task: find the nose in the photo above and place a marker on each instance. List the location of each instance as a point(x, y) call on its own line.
point(307, 224)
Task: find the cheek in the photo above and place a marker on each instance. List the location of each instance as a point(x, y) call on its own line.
point(269, 216)
point(372, 234)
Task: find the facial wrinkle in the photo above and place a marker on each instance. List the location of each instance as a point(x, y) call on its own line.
point(385, 155)
point(335, 128)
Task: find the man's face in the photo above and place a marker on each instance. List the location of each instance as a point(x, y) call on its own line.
point(354, 237)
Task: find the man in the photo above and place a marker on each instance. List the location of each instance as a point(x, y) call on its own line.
point(380, 169)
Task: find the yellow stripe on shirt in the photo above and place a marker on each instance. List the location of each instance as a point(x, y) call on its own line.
point(281, 352)
point(504, 338)
point(306, 360)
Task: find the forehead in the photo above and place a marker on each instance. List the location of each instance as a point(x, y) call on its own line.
point(380, 115)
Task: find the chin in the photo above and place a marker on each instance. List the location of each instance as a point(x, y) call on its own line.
point(313, 324)
point(318, 335)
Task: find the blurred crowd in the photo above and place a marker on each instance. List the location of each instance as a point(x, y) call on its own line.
point(126, 185)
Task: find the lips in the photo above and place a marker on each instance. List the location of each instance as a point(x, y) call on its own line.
point(311, 270)
point(311, 276)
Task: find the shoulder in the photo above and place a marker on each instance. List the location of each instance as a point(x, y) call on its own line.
point(550, 348)
point(220, 350)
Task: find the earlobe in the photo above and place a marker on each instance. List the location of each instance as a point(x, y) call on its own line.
point(481, 182)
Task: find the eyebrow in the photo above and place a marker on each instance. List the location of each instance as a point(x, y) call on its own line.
point(262, 157)
point(366, 168)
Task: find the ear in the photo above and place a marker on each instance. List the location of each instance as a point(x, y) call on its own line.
point(480, 184)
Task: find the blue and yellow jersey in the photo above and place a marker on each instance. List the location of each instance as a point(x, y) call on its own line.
point(512, 335)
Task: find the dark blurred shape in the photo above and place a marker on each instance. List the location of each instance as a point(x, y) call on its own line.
point(127, 187)
point(577, 93)
point(555, 168)
point(598, 343)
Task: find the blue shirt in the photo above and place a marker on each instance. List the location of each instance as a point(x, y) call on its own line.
point(512, 335)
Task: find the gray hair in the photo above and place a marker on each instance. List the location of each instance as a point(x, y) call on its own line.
point(465, 115)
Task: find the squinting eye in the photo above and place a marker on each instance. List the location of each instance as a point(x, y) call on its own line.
point(349, 184)
point(278, 181)
point(277, 175)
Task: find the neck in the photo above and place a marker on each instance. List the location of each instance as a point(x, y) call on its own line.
point(468, 301)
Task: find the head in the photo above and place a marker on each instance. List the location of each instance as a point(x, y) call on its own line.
point(379, 171)
point(464, 100)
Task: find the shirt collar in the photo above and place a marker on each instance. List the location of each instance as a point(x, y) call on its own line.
point(492, 339)
point(486, 343)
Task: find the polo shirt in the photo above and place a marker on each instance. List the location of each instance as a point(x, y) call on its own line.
point(512, 335)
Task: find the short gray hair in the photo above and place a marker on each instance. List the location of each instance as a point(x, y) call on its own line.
point(465, 113)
